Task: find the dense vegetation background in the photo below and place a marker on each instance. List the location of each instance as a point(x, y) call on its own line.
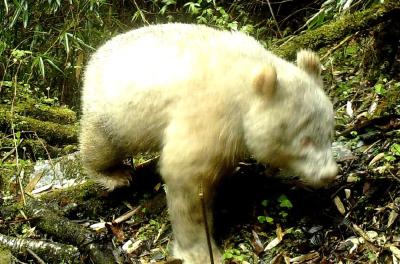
point(44, 46)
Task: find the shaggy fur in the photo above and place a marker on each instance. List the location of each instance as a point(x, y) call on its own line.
point(204, 98)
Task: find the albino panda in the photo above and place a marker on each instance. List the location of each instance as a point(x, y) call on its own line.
point(204, 98)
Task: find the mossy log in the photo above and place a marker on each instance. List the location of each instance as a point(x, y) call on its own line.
point(54, 133)
point(5, 255)
point(56, 114)
point(60, 227)
point(339, 29)
point(87, 198)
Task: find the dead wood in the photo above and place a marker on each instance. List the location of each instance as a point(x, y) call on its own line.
point(52, 252)
point(65, 230)
point(88, 199)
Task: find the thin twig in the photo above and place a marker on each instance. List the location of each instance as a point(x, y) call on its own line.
point(203, 207)
point(49, 158)
point(15, 138)
point(20, 176)
point(127, 215)
point(338, 45)
point(8, 154)
point(33, 254)
point(273, 17)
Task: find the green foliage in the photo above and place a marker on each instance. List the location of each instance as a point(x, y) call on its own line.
point(392, 156)
point(278, 211)
point(45, 44)
point(372, 256)
point(262, 219)
point(48, 53)
point(234, 255)
point(264, 203)
point(333, 8)
point(213, 13)
point(380, 89)
point(149, 230)
point(284, 202)
point(395, 149)
point(12, 166)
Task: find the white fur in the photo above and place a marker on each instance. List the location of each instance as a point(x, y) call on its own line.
point(188, 91)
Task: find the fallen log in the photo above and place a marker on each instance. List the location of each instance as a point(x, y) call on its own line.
point(339, 29)
point(60, 227)
point(66, 231)
point(52, 252)
point(56, 114)
point(55, 134)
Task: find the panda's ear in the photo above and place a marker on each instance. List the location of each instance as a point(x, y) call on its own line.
point(309, 62)
point(265, 80)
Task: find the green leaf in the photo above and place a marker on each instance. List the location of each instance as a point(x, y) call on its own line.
point(163, 10)
point(380, 89)
point(354, 133)
point(372, 256)
point(135, 16)
point(283, 214)
point(25, 17)
point(390, 158)
point(233, 25)
point(66, 43)
point(18, 54)
point(6, 6)
point(3, 47)
point(284, 202)
point(15, 17)
point(240, 258)
point(6, 83)
point(54, 65)
point(80, 41)
point(261, 219)
point(395, 149)
point(265, 219)
point(269, 220)
point(18, 135)
point(227, 255)
point(264, 203)
point(193, 8)
point(41, 67)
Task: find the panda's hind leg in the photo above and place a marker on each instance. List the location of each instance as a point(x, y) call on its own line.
point(101, 158)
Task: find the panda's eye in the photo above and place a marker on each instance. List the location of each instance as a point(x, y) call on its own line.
point(307, 142)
